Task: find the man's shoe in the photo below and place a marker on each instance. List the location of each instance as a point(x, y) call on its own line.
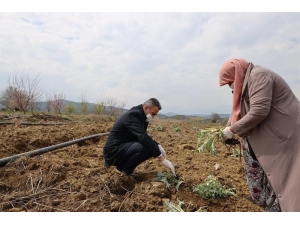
point(124, 174)
point(119, 169)
point(129, 174)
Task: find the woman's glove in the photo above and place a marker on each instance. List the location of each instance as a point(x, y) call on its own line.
point(168, 164)
point(227, 133)
point(163, 152)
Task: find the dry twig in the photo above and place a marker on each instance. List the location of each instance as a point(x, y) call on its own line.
point(105, 185)
point(125, 198)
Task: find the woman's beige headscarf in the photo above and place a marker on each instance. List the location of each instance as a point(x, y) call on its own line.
point(234, 70)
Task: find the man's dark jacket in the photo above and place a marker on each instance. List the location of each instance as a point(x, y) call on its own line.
point(130, 127)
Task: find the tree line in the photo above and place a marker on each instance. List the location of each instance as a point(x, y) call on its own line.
point(23, 93)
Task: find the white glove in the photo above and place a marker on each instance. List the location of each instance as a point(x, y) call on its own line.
point(168, 164)
point(163, 152)
point(227, 133)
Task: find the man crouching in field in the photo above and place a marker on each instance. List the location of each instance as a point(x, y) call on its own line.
point(128, 144)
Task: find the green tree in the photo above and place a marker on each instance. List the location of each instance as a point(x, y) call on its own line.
point(215, 117)
point(99, 108)
point(70, 108)
point(83, 105)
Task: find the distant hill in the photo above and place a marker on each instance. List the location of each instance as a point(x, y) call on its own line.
point(170, 114)
point(209, 116)
point(206, 116)
point(43, 108)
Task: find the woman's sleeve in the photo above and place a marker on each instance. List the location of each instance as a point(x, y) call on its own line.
point(260, 88)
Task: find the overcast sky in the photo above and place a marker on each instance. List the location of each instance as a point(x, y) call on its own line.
point(173, 56)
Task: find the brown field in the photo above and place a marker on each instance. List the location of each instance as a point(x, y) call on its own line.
point(74, 178)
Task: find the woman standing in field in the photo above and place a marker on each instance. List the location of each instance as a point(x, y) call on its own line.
point(266, 114)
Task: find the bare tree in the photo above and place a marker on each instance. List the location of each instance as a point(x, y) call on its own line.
point(26, 91)
point(111, 104)
point(35, 106)
point(49, 103)
point(6, 98)
point(58, 103)
point(121, 106)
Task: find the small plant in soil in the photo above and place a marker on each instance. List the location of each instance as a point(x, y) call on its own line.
point(171, 207)
point(176, 129)
point(159, 128)
point(213, 189)
point(169, 180)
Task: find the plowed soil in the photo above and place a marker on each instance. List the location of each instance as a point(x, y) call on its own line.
point(74, 179)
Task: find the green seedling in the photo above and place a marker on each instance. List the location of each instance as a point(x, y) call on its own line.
point(213, 189)
point(169, 180)
point(171, 207)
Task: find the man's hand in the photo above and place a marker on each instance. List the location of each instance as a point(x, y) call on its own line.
point(227, 133)
point(168, 164)
point(163, 152)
